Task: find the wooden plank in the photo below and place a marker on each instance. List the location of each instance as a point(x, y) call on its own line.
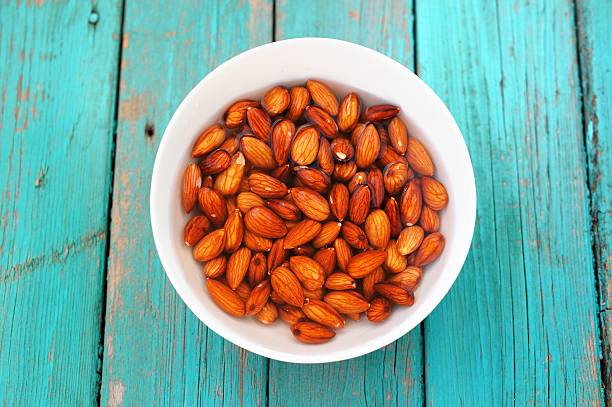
point(520, 325)
point(57, 87)
point(156, 351)
point(593, 19)
point(393, 375)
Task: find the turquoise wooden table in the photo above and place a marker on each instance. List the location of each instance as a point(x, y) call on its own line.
point(87, 315)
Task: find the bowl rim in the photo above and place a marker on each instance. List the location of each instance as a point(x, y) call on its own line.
point(252, 346)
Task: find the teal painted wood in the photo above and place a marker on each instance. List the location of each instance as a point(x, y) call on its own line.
point(156, 351)
point(596, 62)
point(392, 375)
point(520, 325)
point(57, 85)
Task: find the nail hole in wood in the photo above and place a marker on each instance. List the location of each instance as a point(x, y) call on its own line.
point(149, 129)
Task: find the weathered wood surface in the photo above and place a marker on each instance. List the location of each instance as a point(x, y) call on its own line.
point(392, 375)
point(58, 71)
point(156, 352)
point(523, 312)
point(593, 22)
point(529, 84)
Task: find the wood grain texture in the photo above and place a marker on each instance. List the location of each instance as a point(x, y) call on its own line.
point(392, 375)
point(593, 23)
point(523, 311)
point(156, 351)
point(55, 172)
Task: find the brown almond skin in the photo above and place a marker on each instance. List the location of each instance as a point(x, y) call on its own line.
point(396, 175)
point(300, 97)
point(258, 153)
point(277, 255)
point(192, 181)
point(230, 203)
point(276, 299)
point(340, 281)
point(339, 201)
point(311, 203)
point(225, 298)
point(348, 113)
point(408, 279)
point(235, 114)
point(230, 145)
point(215, 268)
point(323, 96)
point(387, 156)
point(343, 253)
point(291, 314)
point(326, 257)
point(243, 291)
point(411, 202)
point(347, 302)
point(354, 235)
point(213, 205)
point(354, 316)
point(264, 222)
point(379, 113)
point(376, 184)
point(208, 181)
point(369, 282)
point(312, 178)
point(323, 313)
point(419, 158)
point(345, 171)
point(276, 100)
point(237, 267)
point(359, 127)
point(259, 122)
point(285, 209)
point(328, 234)
point(303, 250)
point(360, 178)
point(342, 149)
point(258, 269)
point(255, 242)
point(410, 239)
point(312, 332)
point(305, 146)
point(364, 263)
point(395, 262)
point(429, 220)
point(268, 314)
point(316, 294)
point(215, 162)
point(380, 309)
point(398, 135)
point(287, 286)
point(210, 246)
point(324, 157)
point(378, 229)
point(195, 229)
point(281, 173)
point(308, 271)
point(282, 136)
point(395, 293)
point(359, 204)
point(367, 147)
point(430, 249)
point(258, 298)
point(392, 211)
point(266, 186)
point(248, 200)
point(234, 231)
point(302, 233)
point(209, 140)
point(434, 193)
point(228, 181)
point(322, 120)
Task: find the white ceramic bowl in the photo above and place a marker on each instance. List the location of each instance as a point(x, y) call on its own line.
point(345, 67)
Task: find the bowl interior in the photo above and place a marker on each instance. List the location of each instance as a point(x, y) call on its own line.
point(345, 67)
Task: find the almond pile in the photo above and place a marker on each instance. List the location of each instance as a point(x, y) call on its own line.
point(311, 209)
